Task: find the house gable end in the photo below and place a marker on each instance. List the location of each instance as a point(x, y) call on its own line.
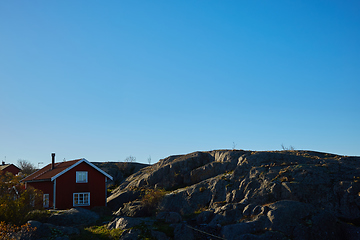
point(76, 164)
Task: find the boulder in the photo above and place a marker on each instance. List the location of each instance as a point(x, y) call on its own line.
point(73, 217)
point(159, 235)
point(205, 217)
point(124, 223)
point(118, 198)
point(47, 231)
point(302, 221)
point(131, 234)
point(233, 231)
point(134, 209)
point(182, 231)
point(169, 217)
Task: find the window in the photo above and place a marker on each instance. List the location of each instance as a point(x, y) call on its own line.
point(82, 177)
point(46, 200)
point(81, 199)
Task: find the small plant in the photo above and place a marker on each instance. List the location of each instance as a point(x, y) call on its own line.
point(290, 148)
point(151, 197)
point(99, 232)
point(200, 210)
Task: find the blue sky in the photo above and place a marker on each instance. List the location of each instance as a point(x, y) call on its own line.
point(107, 79)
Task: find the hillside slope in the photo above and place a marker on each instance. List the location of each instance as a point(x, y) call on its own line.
point(237, 194)
point(119, 170)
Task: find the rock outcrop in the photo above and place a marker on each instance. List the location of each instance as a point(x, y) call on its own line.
point(119, 170)
point(236, 194)
point(61, 224)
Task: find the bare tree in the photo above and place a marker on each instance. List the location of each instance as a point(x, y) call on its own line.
point(26, 167)
point(291, 148)
point(130, 159)
point(149, 160)
point(234, 146)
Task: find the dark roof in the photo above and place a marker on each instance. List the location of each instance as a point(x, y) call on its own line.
point(2, 167)
point(48, 174)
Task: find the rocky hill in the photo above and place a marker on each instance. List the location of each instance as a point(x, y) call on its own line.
point(236, 194)
point(119, 170)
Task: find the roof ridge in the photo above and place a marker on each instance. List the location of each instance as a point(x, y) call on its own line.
point(42, 173)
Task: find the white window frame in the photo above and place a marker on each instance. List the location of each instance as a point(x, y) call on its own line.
point(83, 203)
point(81, 176)
point(46, 200)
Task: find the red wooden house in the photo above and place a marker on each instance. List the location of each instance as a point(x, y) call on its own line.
point(9, 168)
point(76, 183)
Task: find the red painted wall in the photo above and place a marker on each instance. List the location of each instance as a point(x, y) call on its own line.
point(46, 188)
point(14, 170)
point(66, 185)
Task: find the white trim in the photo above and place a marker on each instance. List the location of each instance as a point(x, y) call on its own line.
point(107, 175)
point(46, 200)
point(54, 195)
point(78, 176)
point(84, 193)
point(74, 165)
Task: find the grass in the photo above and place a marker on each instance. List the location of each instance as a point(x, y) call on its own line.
point(98, 233)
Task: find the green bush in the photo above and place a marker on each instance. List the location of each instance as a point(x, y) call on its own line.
point(99, 232)
point(38, 215)
point(16, 201)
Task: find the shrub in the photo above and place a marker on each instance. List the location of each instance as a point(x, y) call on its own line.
point(12, 232)
point(16, 201)
point(99, 232)
point(38, 215)
point(151, 197)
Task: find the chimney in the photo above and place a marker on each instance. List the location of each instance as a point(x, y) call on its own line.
point(3, 163)
point(52, 161)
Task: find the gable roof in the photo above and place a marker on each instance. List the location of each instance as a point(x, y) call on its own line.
point(2, 167)
point(48, 174)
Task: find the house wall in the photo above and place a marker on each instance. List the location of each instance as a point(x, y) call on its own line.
point(46, 187)
point(14, 170)
point(66, 185)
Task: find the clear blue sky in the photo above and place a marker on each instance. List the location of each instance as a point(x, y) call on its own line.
point(107, 79)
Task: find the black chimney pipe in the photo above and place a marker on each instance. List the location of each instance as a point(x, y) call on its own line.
point(52, 161)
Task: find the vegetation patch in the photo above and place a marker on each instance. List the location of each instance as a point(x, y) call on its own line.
point(145, 231)
point(8, 231)
point(15, 200)
point(200, 210)
point(151, 197)
point(98, 233)
point(202, 189)
point(165, 228)
point(38, 215)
